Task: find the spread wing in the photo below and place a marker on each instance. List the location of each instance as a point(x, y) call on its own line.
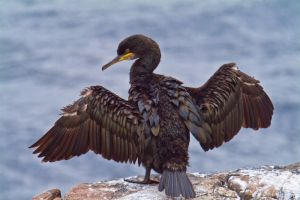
point(99, 121)
point(229, 100)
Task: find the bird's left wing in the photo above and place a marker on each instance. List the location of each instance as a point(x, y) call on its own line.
point(229, 100)
point(99, 121)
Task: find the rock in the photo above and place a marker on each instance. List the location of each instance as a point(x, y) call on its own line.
point(267, 182)
point(53, 194)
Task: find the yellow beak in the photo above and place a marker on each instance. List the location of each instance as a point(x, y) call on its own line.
point(125, 56)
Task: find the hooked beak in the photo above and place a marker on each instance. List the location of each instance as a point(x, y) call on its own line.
point(125, 56)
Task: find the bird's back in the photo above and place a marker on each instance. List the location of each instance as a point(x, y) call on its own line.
point(166, 108)
point(158, 101)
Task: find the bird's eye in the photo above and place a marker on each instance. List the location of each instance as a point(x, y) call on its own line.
point(127, 50)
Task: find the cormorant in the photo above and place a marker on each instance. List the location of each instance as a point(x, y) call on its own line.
point(153, 126)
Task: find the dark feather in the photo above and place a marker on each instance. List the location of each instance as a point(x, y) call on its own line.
point(229, 100)
point(176, 183)
point(91, 123)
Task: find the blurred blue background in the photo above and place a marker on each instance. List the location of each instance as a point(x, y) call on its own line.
point(51, 50)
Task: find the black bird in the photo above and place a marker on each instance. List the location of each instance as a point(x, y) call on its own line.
point(152, 127)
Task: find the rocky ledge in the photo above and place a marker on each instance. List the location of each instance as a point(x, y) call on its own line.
point(266, 182)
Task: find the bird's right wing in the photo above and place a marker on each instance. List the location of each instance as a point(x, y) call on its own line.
point(99, 121)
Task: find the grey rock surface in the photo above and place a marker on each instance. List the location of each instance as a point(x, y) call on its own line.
point(266, 182)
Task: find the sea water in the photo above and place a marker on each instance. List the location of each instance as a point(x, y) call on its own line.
point(51, 50)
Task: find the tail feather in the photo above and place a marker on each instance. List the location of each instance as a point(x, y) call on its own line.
point(176, 183)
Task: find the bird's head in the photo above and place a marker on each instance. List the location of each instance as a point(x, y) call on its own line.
point(135, 47)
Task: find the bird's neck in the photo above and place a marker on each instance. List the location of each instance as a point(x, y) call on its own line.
point(142, 69)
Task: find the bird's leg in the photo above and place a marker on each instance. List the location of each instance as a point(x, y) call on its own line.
point(146, 180)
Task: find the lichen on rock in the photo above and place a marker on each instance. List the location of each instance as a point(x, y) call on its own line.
point(267, 182)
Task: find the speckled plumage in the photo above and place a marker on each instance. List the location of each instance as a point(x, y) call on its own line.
point(153, 125)
point(164, 128)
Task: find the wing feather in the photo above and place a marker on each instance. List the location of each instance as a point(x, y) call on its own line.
point(99, 121)
point(229, 100)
